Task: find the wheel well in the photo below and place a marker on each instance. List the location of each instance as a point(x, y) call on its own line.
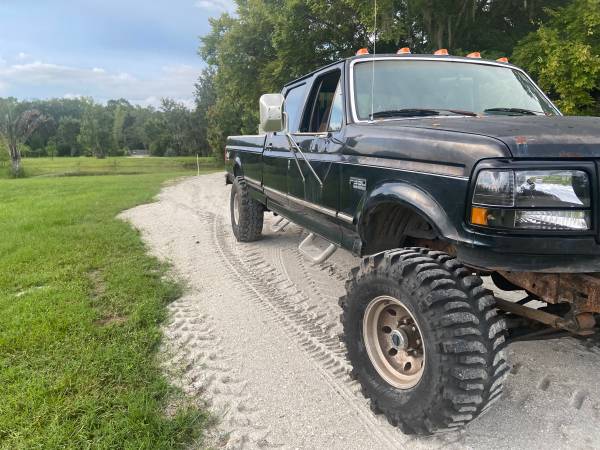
point(393, 225)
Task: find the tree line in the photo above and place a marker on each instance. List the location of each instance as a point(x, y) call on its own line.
point(82, 127)
point(270, 42)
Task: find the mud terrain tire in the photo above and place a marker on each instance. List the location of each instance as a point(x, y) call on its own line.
point(247, 215)
point(463, 337)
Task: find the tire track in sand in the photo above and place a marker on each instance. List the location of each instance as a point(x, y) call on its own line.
point(287, 305)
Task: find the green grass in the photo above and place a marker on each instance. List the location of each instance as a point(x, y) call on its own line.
point(42, 167)
point(80, 308)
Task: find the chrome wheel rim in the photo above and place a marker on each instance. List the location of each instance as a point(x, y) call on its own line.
point(393, 341)
point(236, 208)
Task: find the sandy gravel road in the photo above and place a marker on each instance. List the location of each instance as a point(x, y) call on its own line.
point(256, 338)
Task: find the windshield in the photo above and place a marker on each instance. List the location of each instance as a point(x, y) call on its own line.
point(443, 88)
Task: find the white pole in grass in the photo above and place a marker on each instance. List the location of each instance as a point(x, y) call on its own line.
point(198, 163)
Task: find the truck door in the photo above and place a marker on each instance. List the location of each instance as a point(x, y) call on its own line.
point(275, 166)
point(277, 156)
point(316, 195)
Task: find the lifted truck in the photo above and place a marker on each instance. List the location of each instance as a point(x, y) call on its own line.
point(436, 170)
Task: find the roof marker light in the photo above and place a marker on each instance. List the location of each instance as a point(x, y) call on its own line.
point(474, 55)
point(403, 51)
point(441, 52)
point(502, 60)
point(362, 51)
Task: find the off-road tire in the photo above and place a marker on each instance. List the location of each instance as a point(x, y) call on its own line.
point(465, 363)
point(251, 213)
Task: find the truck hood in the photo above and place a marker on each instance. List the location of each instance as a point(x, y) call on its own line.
point(525, 136)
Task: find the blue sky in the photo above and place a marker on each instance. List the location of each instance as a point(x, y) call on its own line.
point(135, 49)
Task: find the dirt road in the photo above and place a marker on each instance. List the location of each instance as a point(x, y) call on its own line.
point(256, 337)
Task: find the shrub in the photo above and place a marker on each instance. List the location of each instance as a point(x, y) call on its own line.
point(63, 150)
point(156, 149)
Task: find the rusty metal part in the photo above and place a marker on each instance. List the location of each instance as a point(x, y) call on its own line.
point(393, 342)
point(584, 328)
point(586, 320)
point(581, 290)
point(435, 244)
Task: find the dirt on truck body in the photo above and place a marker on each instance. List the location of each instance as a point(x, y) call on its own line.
point(436, 170)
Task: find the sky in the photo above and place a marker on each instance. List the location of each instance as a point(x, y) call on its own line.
point(140, 50)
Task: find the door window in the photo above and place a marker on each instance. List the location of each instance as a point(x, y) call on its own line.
point(293, 105)
point(320, 103)
point(336, 118)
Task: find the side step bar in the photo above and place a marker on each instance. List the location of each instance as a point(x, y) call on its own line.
point(279, 224)
point(323, 256)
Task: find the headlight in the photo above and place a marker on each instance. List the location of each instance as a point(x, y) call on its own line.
point(556, 200)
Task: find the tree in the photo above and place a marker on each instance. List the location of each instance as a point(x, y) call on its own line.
point(178, 122)
point(118, 127)
point(564, 55)
point(66, 136)
point(15, 128)
point(123, 129)
point(52, 147)
point(89, 133)
point(206, 97)
point(95, 131)
point(157, 135)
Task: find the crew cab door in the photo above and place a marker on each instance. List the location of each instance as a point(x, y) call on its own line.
point(314, 181)
point(277, 155)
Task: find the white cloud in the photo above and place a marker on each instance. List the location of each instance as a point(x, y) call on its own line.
point(215, 5)
point(22, 56)
point(56, 80)
point(2, 61)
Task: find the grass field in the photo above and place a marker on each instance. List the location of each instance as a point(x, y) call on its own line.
point(80, 309)
point(44, 167)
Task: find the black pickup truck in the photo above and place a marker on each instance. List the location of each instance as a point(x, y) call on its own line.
point(436, 170)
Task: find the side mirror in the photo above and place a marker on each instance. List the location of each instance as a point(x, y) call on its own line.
point(271, 113)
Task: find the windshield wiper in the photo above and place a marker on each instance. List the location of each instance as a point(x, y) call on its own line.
point(520, 111)
point(418, 112)
point(406, 112)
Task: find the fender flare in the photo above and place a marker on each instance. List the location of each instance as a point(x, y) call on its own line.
point(412, 197)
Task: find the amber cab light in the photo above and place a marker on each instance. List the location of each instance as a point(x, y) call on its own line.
point(403, 51)
point(474, 55)
point(479, 216)
point(362, 51)
point(441, 52)
point(502, 60)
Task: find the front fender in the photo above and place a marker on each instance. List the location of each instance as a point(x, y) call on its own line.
point(412, 197)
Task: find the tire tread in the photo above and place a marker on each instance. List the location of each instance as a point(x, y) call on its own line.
point(470, 335)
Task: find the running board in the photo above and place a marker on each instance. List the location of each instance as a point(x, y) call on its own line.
point(326, 254)
point(279, 224)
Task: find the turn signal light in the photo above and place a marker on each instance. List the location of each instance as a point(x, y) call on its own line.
point(479, 216)
point(474, 55)
point(441, 52)
point(502, 60)
point(362, 51)
point(403, 51)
